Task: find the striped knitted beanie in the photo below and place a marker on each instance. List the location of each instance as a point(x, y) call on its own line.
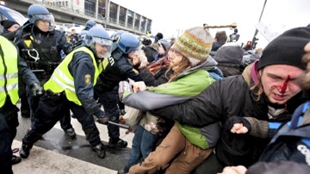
point(195, 44)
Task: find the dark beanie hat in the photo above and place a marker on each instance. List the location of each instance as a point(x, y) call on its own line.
point(287, 49)
point(159, 36)
point(7, 23)
point(229, 55)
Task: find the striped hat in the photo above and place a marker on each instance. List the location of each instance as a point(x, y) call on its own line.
point(195, 44)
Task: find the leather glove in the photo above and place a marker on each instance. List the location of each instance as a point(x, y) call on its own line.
point(36, 89)
point(231, 121)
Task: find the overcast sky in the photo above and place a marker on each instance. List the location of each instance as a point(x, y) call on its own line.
point(171, 17)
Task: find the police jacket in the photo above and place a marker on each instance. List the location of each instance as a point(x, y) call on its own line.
point(116, 68)
point(77, 75)
point(47, 44)
point(228, 97)
point(11, 64)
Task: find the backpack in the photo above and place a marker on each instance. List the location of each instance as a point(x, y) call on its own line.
point(292, 141)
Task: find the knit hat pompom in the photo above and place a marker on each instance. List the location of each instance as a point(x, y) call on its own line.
point(195, 44)
point(287, 49)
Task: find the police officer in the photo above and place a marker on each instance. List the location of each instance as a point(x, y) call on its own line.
point(89, 24)
point(71, 86)
point(40, 45)
point(12, 68)
point(117, 68)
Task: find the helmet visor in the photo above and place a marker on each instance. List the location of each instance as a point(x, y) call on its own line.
point(46, 17)
point(104, 42)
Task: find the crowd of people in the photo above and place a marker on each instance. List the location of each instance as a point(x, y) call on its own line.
point(209, 105)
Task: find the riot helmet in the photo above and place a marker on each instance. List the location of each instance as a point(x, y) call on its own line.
point(82, 34)
point(128, 42)
point(89, 24)
point(115, 36)
point(98, 35)
point(38, 12)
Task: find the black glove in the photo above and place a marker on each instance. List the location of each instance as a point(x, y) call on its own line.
point(101, 118)
point(36, 89)
point(229, 124)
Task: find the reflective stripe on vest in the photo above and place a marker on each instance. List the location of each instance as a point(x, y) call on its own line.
point(62, 80)
point(8, 72)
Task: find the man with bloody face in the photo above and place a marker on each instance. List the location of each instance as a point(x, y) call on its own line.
point(251, 106)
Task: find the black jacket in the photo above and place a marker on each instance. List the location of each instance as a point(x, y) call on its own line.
point(48, 45)
point(25, 73)
point(116, 70)
point(227, 97)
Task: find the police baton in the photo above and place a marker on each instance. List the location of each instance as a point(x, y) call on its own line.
point(37, 71)
point(119, 125)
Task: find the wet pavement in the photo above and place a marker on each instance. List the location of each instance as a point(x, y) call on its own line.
point(58, 153)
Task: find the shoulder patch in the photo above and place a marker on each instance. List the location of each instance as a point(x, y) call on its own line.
point(87, 79)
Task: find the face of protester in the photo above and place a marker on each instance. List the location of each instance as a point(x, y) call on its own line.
point(101, 50)
point(13, 28)
point(134, 57)
point(174, 57)
point(43, 25)
point(132, 54)
point(280, 82)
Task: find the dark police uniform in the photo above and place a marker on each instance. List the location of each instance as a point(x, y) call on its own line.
point(48, 46)
point(115, 69)
point(70, 86)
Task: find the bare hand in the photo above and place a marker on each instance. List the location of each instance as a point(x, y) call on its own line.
point(234, 170)
point(138, 86)
point(238, 128)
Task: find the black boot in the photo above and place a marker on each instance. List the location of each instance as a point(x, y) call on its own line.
point(70, 132)
point(15, 159)
point(25, 150)
point(99, 149)
point(117, 143)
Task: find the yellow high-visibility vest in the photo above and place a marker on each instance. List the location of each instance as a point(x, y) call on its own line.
point(8, 71)
point(62, 80)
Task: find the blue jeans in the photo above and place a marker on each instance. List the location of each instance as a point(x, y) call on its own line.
point(143, 143)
